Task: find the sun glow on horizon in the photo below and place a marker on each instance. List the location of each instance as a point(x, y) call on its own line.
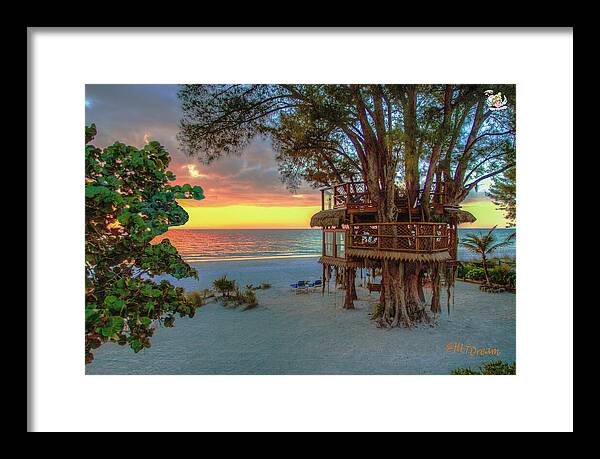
point(487, 214)
point(293, 217)
point(248, 217)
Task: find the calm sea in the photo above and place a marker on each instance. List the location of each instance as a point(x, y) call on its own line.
point(209, 245)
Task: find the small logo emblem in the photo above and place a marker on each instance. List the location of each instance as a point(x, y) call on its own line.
point(495, 101)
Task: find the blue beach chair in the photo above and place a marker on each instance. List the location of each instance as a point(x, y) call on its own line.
point(316, 284)
point(300, 286)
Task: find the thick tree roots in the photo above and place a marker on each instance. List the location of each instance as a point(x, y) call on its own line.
point(402, 300)
point(403, 297)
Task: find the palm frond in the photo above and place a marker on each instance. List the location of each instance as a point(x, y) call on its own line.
point(508, 241)
point(471, 247)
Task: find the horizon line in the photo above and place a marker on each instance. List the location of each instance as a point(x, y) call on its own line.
point(308, 227)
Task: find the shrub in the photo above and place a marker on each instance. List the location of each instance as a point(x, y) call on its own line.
point(464, 371)
point(499, 367)
point(377, 311)
point(503, 275)
point(475, 273)
point(249, 298)
point(496, 367)
point(224, 286)
point(196, 299)
point(265, 285)
point(233, 296)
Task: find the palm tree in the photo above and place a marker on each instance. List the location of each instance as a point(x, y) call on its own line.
point(484, 245)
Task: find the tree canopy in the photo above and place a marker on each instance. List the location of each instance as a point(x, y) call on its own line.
point(407, 135)
point(128, 202)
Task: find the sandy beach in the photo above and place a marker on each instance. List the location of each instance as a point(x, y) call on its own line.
point(292, 333)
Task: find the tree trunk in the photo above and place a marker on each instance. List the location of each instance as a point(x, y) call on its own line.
point(350, 275)
point(435, 290)
point(485, 270)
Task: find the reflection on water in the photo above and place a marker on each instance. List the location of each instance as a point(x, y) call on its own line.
point(198, 245)
point(201, 245)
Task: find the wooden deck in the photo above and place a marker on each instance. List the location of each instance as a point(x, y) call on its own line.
point(403, 237)
point(354, 197)
point(402, 241)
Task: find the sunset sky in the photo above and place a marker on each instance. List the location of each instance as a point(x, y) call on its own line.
point(241, 192)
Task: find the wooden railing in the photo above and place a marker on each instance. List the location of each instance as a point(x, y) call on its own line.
point(402, 237)
point(354, 195)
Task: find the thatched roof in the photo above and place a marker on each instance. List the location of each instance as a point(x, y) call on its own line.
point(457, 215)
point(462, 216)
point(400, 256)
point(333, 217)
point(340, 262)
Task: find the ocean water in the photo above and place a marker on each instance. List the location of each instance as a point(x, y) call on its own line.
point(196, 245)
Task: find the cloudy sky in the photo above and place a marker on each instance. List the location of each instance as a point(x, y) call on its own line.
point(242, 192)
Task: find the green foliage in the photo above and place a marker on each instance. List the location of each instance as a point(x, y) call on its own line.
point(377, 311)
point(128, 202)
point(224, 286)
point(475, 273)
point(196, 299)
point(484, 245)
point(320, 132)
point(504, 194)
point(249, 299)
point(231, 295)
point(503, 275)
point(464, 371)
point(489, 368)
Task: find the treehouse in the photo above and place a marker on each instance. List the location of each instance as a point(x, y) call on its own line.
point(353, 238)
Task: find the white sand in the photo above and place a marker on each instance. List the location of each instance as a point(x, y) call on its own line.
point(311, 333)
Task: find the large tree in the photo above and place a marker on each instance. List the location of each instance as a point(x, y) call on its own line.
point(412, 137)
point(128, 202)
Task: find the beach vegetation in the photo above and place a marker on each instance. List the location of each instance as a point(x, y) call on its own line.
point(232, 295)
point(249, 299)
point(378, 309)
point(503, 275)
point(265, 285)
point(496, 367)
point(128, 202)
point(197, 299)
point(226, 287)
point(484, 245)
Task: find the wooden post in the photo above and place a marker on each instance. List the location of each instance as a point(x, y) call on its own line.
point(334, 243)
point(322, 199)
point(417, 237)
